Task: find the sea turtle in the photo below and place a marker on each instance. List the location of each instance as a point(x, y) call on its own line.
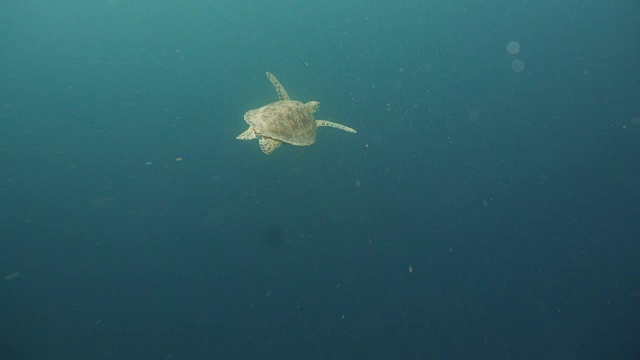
point(284, 121)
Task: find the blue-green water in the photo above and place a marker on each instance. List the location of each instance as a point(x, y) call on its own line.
point(487, 208)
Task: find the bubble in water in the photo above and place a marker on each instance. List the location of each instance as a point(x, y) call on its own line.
point(517, 65)
point(513, 47)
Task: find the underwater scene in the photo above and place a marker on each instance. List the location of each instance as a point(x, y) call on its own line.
point(211, 179)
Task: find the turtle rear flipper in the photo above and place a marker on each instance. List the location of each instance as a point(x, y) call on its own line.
point(268, 145)
point(247, 135)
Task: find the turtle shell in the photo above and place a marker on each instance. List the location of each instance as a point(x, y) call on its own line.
point(288, 121)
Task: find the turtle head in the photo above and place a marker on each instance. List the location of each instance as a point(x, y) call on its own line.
point(312, 106)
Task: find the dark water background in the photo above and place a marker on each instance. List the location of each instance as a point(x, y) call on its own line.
point(479, 213)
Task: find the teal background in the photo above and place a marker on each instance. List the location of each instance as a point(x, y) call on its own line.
point(479, 213)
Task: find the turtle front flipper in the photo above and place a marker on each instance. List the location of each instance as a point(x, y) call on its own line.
point(248, 134)
point(282, 93)
point(334, 125)
point(268, 145)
